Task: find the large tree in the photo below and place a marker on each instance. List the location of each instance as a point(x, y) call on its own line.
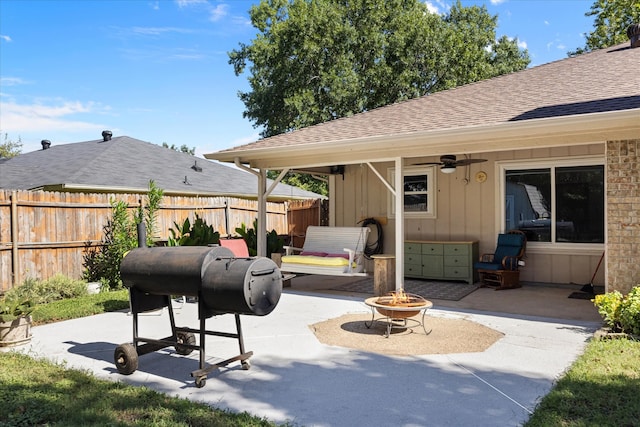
point(612, 18)
point(317, 60)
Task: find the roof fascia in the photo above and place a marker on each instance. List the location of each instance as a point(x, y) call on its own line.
point(517, 135)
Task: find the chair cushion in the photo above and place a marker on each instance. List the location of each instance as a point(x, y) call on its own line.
point(509, 245)
point(487, 266)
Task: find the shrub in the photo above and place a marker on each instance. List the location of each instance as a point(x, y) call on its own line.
point(609, 308)
point(55, 288)
point(102, 263)
point(630, 312)
point(275, 243)
point(620, 313)
point(198, 234)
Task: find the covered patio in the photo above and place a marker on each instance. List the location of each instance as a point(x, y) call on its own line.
point(532, 300)
point(579, 117)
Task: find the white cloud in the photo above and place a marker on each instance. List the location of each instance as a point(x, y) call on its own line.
point(218, 12)
point(547, 23)
point(11, 81)
point(522, 44)
point(156, 31)
point(188, 3)
point(497, 2)
point(5, 38)
point(23, 118)
point(437, 6)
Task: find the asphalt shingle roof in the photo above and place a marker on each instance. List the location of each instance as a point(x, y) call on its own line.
point(125, 162)
point(603, 80)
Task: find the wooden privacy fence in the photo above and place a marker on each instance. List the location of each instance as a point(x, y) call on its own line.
point(45, 233)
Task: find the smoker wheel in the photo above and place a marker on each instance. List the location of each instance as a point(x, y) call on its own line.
point(201, 381)
point(126, 359)
point(184, 338)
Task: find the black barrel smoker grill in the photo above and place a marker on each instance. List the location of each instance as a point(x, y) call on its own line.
point(222, 284)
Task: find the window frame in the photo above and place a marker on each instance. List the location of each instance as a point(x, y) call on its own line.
point(550, 163)
point(431, 173)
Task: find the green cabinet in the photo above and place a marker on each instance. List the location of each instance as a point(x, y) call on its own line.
point(440, 260)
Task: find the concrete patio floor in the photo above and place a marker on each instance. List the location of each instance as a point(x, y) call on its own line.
point(295, 378)
point(533, 299)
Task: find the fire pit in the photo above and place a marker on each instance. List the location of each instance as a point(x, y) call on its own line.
point(398, 309)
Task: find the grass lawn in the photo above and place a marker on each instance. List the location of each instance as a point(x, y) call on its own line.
point(602, 387)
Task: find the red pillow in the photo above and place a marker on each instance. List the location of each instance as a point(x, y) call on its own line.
point(309, 253)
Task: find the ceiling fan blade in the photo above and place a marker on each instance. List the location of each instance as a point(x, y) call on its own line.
point(464, 162)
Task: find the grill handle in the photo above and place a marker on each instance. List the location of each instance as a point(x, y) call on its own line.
point(263, 272)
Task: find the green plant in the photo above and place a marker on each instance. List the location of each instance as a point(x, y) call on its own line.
point(102, 262)
point(275, 243)
point(120, 236)
point(198, 234)
point(54, 288)
point(13, 308)
point(630, 312)
point(149, 212)
point(608, 306)
point(621, 313)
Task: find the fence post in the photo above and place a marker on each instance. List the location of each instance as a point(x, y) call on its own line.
point(15, 261)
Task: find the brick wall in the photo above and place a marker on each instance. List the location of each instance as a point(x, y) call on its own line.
point(623, 212)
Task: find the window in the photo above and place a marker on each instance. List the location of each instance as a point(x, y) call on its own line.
point(562, 203)
point(418, 188)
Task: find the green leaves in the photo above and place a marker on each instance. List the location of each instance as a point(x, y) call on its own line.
point(315, 61)
point(620, 313)
point(198, 234)
point(612, 18)
point(11, 309)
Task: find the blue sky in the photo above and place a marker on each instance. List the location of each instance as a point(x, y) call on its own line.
point(158, 70)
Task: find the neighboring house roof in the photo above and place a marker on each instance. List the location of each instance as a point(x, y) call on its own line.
point(571, 101)
point(124, 164)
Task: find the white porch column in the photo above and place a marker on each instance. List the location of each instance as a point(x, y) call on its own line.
point(262, 213)
point(399, 213)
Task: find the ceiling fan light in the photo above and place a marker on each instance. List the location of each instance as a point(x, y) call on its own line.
point(448, 169)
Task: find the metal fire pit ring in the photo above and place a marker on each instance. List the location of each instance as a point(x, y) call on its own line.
point(397, 316)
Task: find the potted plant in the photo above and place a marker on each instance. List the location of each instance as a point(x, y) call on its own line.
point(15, 321)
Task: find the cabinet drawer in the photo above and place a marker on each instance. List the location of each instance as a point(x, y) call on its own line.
point(412, 248)
point(456, 272)
point(413, 270)
point(431, 249)
point(410, 258)
point(456, 249)
point(456, 261)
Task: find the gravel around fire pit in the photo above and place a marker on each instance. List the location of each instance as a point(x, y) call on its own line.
point(447, 335)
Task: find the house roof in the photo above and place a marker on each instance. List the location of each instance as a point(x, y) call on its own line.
point(577, 100)
point(125, 164)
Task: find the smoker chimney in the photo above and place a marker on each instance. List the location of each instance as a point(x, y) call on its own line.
point(45, 144)
point(633, 32)
point(106, 135)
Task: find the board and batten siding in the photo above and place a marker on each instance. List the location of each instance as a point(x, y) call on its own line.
point(466, 210)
